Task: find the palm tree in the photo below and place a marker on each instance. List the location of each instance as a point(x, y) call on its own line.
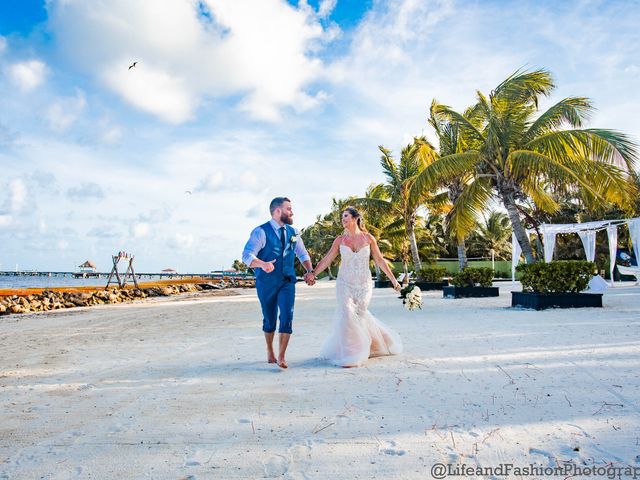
point(451, 140)
point(400, 199)
point(493, 234)
point(520, 155)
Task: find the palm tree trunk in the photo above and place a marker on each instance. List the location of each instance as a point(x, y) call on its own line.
point(377, 270)
point(462, 254)
point(519, 230)
point(414, 247)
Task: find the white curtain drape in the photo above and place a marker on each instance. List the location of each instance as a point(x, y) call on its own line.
point(549, 244)
point(515, 255)
point(634, 231)
point(589, 242)
point(612, 233)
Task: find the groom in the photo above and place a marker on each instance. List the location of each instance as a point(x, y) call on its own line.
point(270, 251)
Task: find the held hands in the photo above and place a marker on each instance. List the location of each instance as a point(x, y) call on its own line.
point(309, 278)
point(396, 286)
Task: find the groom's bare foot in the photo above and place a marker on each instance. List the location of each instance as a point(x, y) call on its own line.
point(271, 356)
point(282, 363)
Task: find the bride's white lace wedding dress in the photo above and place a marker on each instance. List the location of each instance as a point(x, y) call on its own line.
point(357, 334)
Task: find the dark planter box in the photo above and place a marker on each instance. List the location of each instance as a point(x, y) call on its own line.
point(465, 292)
point(432, 285)
point(540, 301)
point(383, 284)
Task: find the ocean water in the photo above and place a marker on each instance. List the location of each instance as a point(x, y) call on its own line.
point(24, 281)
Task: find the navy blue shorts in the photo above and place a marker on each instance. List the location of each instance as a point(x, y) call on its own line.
point(273, 299)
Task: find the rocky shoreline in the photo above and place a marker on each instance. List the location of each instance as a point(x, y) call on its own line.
point(55, 300)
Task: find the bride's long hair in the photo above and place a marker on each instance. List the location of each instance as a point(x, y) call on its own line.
point(356, 214)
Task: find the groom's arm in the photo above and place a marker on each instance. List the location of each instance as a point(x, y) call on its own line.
point(305, 259)
point(257, 241)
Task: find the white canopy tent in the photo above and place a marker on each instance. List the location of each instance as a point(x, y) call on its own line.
point(587, 232)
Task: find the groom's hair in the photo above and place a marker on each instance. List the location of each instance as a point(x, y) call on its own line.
point(277, 202)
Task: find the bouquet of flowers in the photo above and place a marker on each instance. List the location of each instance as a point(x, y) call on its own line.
point(411, 297)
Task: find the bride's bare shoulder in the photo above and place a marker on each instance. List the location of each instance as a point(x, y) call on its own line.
point(371, 239)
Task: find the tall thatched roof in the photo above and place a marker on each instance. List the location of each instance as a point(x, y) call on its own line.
point(88, 264)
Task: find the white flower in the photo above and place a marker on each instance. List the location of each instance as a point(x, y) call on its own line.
point(413, 299)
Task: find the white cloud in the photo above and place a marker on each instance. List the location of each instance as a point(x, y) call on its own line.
point(3, 44)
point(17, 195)
point(65, 111)
point(220, 181)
point(112, 135)
point(212, 182)
point(28, 75)
point(186, 55)
point(181, 241)
point(256, 211)
point(140, 230)
point(86, 191)
point(326, 7)
point(248, 180)
point(104, 232)
point(153, 90)
point(5, 220)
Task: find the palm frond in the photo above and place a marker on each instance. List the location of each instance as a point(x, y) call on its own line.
point(473, 199)
point(531, 166)
point(524, 87)
point(389, 167)
point(439, 203)
point(572, 110)
point(453, 116)
point(444, 170)
point(540, 197)
point(598, 144)
point(378, 204)
point(423, 152)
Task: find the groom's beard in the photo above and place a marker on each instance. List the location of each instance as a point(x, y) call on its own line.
point(286, 219)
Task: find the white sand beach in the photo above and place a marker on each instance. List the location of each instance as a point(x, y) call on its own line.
point(180, 388)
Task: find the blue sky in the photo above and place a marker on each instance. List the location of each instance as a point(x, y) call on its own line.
point(253, 99)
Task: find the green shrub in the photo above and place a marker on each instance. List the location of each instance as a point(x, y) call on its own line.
point(431, 274)
point(473, 277)
point(556, 277)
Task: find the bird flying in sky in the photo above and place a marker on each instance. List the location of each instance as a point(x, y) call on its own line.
point(132, 65)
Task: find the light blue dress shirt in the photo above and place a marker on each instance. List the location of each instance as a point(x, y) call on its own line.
point(258, 239)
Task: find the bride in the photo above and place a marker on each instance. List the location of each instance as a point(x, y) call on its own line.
point(357, 334)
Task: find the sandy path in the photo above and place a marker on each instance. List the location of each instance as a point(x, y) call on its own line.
point(181, 389)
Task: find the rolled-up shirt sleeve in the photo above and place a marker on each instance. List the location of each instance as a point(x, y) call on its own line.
point(301, 251)
point(256, 242)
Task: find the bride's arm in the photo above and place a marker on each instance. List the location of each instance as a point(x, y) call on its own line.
point(381, 262)
point(328, 258)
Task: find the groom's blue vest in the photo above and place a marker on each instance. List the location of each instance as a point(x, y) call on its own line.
point(272, 250)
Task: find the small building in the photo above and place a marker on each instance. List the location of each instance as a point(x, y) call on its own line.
point(169, 271)
point(88, 267)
